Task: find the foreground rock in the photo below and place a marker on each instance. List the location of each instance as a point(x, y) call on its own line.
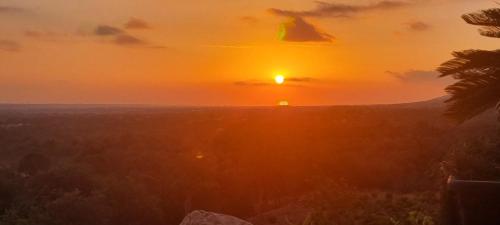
point(200, 217)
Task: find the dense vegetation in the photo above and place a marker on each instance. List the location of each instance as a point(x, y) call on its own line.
point(349, 164)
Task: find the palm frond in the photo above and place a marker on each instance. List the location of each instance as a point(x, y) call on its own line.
point(478, 83)
point(493, 32)
point(477, 72)
point(489, 19)
point(477, 92)
point(468, 60)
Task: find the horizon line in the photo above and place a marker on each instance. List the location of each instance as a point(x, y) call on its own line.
point(159, 105)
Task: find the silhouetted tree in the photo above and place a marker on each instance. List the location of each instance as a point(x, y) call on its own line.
point(489, 19)
point(477, 72)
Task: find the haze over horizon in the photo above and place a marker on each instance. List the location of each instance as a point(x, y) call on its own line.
point(217, 53)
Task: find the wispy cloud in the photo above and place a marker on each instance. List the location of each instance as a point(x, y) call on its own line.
point(45, 35)
point(324, 9)
point(10, 9)
point(298, 30)
point(290, 82)
point(418, 26)
point(10, 46)
point(135, 23)
point(249, 19)
point(252, 83)
point(105, 30)
point(302, 79)
point(416, 76)
point(33, 34)
point(228, 46)
point(125, 39)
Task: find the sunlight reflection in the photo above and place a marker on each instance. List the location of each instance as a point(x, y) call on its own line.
point(283, 103)
point(199, 155)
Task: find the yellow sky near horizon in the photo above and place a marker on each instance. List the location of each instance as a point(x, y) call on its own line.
point(228, 52)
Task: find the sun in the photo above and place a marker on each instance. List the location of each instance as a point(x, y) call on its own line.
point(283, 103)
point(279, 79)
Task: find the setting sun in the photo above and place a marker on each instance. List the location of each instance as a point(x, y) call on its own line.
point(283, 103)
point(279, 79)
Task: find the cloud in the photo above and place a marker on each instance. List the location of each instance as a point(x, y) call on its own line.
point(9, 9)
point(302, 79)
point(135, 23)
point(105, 30)
point(251, 83)
point(33, 34)
point(290, 82)
point(126, 39)
point(235, 46)
point(10, 46)
point(416, 76)
point(45, 35)
point(338, 10)
point(119, 36)
point(249, 19)
point(298, 30)
point(159, 47)
point(418, 26)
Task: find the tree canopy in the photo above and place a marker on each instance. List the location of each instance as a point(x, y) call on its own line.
point(477, 72)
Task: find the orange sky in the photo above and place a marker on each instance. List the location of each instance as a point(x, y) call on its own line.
point(227, 52)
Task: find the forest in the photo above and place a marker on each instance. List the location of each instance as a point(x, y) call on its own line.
point(379, 164)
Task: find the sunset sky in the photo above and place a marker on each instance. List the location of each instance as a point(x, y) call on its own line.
point(227, 52)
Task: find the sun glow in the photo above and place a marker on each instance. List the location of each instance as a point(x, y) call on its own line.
point(283, 103)
point(199, 155)
point(279, 79)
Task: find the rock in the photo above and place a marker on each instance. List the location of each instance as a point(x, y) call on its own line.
point(200, 217)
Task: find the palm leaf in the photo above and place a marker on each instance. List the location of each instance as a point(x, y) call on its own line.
point(489, 19)
point(477, 72)
point(493, 32)
point(478, 83)
point(471, 97)
point(470, 59)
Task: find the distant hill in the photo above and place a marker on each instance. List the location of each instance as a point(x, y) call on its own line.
point(432, 103)
point(488, 117)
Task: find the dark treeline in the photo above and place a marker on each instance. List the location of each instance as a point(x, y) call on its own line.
point(152, 166)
